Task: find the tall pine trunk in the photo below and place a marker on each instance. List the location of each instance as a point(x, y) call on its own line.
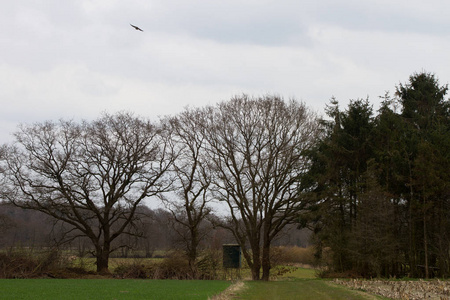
point(425, 244)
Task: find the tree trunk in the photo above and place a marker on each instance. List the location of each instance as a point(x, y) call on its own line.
point(192, 257)
point(266, 262)
point(425, 245)
point(256, 265)
point(412, 225)
point(256, 271)
point(102, 256)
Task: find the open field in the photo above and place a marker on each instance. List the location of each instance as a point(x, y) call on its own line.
point(289, 282)
point(99, 289)
point(292, 283)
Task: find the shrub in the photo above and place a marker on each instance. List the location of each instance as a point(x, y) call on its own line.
point(137, 269)
point(209, 265)
point(22, 263)
point(175, 266)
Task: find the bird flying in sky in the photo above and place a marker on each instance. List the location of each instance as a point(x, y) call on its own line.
point(135, 27)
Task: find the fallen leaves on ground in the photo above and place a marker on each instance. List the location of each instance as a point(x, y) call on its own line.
point(410, 290)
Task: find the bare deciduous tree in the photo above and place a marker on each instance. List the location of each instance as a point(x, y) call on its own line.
point(189, 206)
point(91, 176)
point(256, 150)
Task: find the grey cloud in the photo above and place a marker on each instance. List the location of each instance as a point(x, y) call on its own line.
point(386, 16)
point(265, 23)
point(201, 49)
point(287, 22)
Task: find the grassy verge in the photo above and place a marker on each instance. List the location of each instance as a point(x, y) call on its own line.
point(296, 283)
point(94, 289)
point(317, 289)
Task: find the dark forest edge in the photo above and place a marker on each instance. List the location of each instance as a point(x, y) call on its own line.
point(371, 187)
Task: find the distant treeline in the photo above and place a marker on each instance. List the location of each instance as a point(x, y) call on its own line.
point(22, 228)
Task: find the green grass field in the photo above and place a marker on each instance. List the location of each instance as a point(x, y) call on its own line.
point(294, 283)
point(94, 289)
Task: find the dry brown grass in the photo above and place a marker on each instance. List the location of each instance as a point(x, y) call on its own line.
point(411, 290)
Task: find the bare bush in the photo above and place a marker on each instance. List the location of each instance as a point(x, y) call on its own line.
point(136, 269)
point(24, 263)
point(209, 264)
point(174, 266)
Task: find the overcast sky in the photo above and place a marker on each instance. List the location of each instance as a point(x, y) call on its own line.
point(77, 59)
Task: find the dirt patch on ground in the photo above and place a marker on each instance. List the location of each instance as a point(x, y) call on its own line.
point(411, 290)
point(230, 292)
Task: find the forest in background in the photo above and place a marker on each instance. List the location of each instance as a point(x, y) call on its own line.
point(379, 183)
